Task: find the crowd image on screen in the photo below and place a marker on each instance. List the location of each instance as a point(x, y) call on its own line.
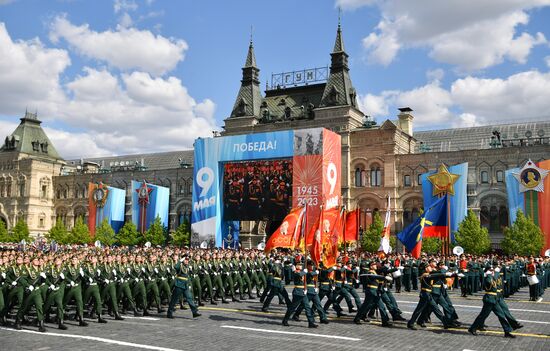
point(257, 190)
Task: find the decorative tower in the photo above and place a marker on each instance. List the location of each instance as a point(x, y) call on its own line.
point(249, 98)
point(339, 90)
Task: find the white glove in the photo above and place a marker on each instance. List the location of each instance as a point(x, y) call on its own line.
point(31, 288)
point(345, 267)
point(52, 287)
point(137, 280)
point(157, 271)
point(446, 268)
point(43, 275)
point(333, 267)
point(90, 280)
point(81, 272)
point(388, 278)
point(4, 275)
point(357, 281)
point(317, 271)
point(128, 269)
point(13, 283)
point(114, 272)
point(106, 281)
point(62, 276)
point(449, 274)
point(98, 272)
point(143, 269)
point(461, 275)
point(72, 283)
point(305, 270)
point(316, 290)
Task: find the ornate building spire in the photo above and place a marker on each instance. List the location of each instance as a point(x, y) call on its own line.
point(249, 98)
point(339, 89)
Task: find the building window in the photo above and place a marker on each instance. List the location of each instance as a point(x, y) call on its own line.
point(375, 176)
point(22, 189)
point(419, 180)
point(358, 178)
point(8, 189)
point(500, 176)
point(484, 177)
point(182, 189)
point(58, 194)
point(41, 222)
point(407, 180)
point(44, 192)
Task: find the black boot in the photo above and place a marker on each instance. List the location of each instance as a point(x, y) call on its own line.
point(285, 323)
point(41, 327)
point(81, 322)
point(509, 335)
point(312, 325)
point(136, 313)
point(224, 300)
point(196, 314)
point(212, 302)
point(145, 312)
point(17, 325)
point(118, 317)
point(160, 310)
point(61, 325)
point(101, 320)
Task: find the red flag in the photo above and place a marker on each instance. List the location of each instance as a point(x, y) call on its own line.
point(323, 237)
point(315, 237)
point(285, 236)
point(351, 233)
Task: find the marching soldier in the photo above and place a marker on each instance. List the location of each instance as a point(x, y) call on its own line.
point(56, 291)
point(74, 277)
point(181, 286)
point(299, 297)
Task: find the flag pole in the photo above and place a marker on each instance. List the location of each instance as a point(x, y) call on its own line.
point(447, 252)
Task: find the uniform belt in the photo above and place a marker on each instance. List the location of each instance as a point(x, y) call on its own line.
point(311, 285)
point(276, 278)
point(325, 283)
point(490, 293)
point(373, 286)
point(427, 290)
point(499, 290)
point(436, 286)
point(181, 278)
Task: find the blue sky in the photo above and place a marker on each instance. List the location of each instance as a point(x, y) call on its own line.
point(128, 76)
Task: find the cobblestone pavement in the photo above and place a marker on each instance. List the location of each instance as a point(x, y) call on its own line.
point(242, 326)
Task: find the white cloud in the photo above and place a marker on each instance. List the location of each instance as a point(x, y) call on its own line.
point(472, 37)
point(435, 75)
point(124, 5)
point(353, 4)
point(124, 48)
point(29, 74)
point(98, 112)
point(469, 102)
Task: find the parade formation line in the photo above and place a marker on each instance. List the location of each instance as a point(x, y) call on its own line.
point(479, 307)
point(292, 333)
point(94, 338)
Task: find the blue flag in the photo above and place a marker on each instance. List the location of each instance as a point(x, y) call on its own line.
point(435, 217)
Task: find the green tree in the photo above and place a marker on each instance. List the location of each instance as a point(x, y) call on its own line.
point(20, 232)
point(3, 232)
point(58, 233)
point(155, 233)
point(105, 233)
point(182, 234)
point(128, 234)
point(472, 236)
point(431, 245)
point(371, 236)
point(80, 233)
point(524, 237)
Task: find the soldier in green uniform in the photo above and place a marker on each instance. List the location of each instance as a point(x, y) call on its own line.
point(56, 291)
point(33, 279)
point(426, 301)
point(124, 290)
point(15, 280)
point(74, 277)
point(205, 281)
point(108, 286)
point(372, 296)
point(299, 296)
point(92, 274)
point(490, 304)
point(326, 288)
point(181, 286)
point(407, 271)
point(312, 296)
point(139, 291)
point(3, 287)
point(150, 277)
point(277, 284)
point(215, 269)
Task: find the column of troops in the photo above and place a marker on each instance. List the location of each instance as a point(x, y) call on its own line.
point(81, 283)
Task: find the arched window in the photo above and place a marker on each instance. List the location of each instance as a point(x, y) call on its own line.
point(493, 219)
point(500, 176)
point(358, 178)
point(419, 180)
point(503, 217)
point(22, 188)
point(375, 176)
point(484, 177)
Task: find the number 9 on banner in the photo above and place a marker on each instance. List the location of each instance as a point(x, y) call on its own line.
point(205, 178)
point(332, 176)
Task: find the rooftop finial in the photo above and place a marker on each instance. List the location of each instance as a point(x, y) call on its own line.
point(251, 34)
point(339, 17)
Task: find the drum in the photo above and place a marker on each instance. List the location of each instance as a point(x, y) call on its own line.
point(396, 274)
point(532, 279)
